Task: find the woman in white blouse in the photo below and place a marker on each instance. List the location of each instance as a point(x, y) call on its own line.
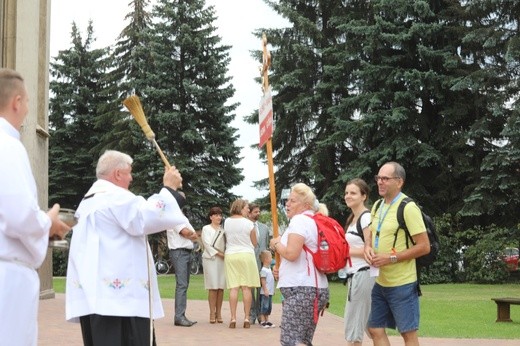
point(241, 268)
point(298, 280)
point(213, 264)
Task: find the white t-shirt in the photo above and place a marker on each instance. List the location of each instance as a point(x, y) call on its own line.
point(269, 280)
point(238, 235)
point(300, 272)
point(355, 241)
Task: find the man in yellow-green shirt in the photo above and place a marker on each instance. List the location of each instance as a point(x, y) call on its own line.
point(395, 299)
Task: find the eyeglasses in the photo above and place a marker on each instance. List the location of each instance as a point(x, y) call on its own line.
point(383, 179)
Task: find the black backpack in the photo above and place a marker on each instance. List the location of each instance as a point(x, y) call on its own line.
point(359, 229)
point(425, 260)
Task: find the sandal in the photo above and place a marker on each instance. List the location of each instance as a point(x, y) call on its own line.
point(247, 324)
point(232, 324)
point(212, 318)
point(219, 319)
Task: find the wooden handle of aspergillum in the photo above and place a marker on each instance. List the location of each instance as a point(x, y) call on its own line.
point(161, 154)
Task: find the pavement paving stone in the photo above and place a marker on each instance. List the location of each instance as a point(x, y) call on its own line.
point(54, 330)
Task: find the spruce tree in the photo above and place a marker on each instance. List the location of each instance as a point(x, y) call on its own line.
point(493, 193)
point(401, 107)
point(76, 93)
point(304, 93)
point(384, 80)
point(186, 93)
point(130, 59)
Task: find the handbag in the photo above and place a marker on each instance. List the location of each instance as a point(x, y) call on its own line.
point(219, 243)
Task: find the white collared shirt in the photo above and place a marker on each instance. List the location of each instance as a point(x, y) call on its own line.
point(176, 240)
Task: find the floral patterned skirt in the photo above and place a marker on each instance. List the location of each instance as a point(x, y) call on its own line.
point(298, 313)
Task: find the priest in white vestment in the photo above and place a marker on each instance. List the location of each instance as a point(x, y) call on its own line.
point(108, 274)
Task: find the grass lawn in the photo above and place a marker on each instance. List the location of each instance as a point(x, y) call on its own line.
point(447, 310)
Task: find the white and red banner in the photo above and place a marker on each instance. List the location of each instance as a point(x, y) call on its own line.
point(265, 117)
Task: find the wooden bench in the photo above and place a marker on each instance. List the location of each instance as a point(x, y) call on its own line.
point(504, 308)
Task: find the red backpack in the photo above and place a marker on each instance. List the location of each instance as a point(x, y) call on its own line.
point(333, 249)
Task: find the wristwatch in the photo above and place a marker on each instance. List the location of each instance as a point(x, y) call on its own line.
point(393, 259)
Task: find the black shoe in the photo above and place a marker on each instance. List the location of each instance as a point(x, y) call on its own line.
point(184, 323)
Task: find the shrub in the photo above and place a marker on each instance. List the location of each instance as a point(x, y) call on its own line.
point(60, 258)
point(447, 267)
point(484, 258)
point(468, 255)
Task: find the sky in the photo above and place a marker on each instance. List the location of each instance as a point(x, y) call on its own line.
point(236, 21)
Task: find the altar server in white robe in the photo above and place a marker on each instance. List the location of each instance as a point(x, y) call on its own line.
point(24, 228)
point(108, 269)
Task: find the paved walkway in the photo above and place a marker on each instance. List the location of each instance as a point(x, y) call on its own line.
point(54, 330)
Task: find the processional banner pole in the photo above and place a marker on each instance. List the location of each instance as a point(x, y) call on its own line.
point(265, 120)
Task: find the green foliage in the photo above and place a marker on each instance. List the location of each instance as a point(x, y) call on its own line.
point(59, 262)
point(472, 255)
point(427, 84)
point(185, 95)
point(60, 258)
point(76, 96)
point(432, 85)
point(302, 112)
point(500, 183)
point(447, 268)
point(483, 259)
point(131, 59)
point(175, 62)
point(266, 217)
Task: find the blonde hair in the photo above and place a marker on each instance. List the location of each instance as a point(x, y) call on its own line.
point(237, 206)
point(323, 209)
point(264, 254)
point(307, 197)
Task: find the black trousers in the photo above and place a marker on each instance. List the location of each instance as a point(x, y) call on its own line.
point(98, 330)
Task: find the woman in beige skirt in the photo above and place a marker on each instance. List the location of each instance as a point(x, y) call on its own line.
point(213, 263)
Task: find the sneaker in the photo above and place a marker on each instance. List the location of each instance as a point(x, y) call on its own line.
point(269, 325)
point(264, 325)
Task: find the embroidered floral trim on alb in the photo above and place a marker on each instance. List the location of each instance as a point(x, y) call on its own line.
point(161, 205)
point(116, 283)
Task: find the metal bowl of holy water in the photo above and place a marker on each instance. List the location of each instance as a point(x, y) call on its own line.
point(67, 216)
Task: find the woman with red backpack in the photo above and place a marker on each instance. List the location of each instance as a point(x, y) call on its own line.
point(298, 280)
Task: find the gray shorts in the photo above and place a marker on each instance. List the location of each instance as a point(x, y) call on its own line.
point(357, 309)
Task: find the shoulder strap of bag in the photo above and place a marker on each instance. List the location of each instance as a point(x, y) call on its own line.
point(401, 221)
point(218, 234)
point(402, 225)
point(359, 229)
